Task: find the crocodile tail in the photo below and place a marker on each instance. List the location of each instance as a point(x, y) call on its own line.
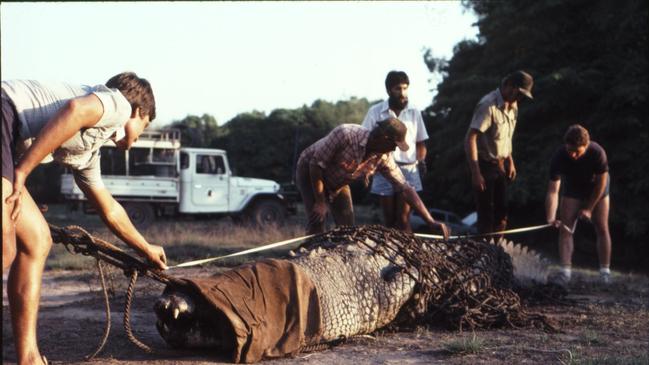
point(530, 268)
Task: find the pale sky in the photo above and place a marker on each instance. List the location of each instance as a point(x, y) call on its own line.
point(226, 58)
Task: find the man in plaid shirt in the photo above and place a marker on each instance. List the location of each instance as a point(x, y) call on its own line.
point(347, 153)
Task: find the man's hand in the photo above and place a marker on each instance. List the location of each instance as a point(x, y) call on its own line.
point(511, 172)
point(478, 181)
point(156, 256)
point(585, 214)
point(15, 197)
point(319, 213)
point(441, 228)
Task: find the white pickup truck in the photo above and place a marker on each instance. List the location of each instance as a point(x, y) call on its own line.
point(157, 177)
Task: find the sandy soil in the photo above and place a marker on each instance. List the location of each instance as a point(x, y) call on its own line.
point(599, 324)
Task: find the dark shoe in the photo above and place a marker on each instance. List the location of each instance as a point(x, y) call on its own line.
point(559, 278)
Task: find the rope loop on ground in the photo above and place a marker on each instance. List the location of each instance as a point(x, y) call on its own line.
point(104, 338)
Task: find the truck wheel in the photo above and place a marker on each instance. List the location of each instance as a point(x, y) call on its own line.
point(267, 212)
point(141, 214)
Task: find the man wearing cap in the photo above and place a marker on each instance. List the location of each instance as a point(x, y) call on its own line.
point(396, 212)
point(488, 147)
point(347, 153)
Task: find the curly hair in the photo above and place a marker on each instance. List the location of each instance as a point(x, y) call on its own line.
point(576, 135)
point(396, 78)
point(137, 91)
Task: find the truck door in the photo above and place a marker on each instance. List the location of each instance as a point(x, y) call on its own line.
point(209, 189)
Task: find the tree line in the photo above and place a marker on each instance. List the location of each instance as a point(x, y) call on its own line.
point(589, 61)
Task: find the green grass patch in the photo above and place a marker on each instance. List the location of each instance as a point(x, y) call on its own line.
point(592, 338)
point(465, 345)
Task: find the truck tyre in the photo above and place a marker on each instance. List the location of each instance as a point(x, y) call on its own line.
point(267, 212)
point(141, 214)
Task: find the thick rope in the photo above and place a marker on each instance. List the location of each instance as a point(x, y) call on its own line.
point(104, 338)
point(78, 240)
point(127, 315)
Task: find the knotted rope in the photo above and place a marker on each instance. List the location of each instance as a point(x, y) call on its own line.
point(78, 241)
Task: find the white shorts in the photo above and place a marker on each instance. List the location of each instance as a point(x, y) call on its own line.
point(381, 186)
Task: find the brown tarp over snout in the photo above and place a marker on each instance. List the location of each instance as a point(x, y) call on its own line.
point(272, 305)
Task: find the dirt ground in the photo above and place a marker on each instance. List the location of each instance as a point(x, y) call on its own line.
point(599, 325)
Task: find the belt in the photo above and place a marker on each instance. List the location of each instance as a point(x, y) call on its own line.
point(406, 163)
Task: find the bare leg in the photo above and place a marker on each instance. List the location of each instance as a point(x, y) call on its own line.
point(600, 220)
point(403, 213)
point(8, 229)
point(342, 208)
point(388, 206)
point(568, 209)
point(24, 284)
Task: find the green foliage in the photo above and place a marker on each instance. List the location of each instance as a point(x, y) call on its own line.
point(269, 146)
point(197, 131)
point(465, 345)
point(589, 61)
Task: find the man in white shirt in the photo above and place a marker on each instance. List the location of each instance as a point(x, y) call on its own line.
point(396, 211)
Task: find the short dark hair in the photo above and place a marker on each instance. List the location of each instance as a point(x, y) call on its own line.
point(137, 91)
point(396, 78)
point(576, 135)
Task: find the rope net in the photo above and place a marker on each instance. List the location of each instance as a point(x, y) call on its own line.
point(460, 284)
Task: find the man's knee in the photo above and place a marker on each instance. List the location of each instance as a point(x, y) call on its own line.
point(601, 229)
point(8, 253)
point(38, 242)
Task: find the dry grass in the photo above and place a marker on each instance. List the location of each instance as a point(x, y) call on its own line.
point(189, 238)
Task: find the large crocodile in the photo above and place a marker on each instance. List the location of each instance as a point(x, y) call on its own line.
point(349, 281)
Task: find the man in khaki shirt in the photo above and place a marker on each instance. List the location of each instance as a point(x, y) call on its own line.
point(488, 147)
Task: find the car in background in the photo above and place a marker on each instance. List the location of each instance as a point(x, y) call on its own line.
point(458, 226)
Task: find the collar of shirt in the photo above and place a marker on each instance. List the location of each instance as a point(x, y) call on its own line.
point(501, 102)
point(385, 109)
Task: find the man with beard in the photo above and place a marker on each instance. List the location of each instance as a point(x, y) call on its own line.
point(396, 211)
point(488, 148)
point(350, 152)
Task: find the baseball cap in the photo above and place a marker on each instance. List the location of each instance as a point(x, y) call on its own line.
point(523, 81)
point(396, 130)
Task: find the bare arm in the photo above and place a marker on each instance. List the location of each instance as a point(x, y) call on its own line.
point(421, 151)
point(78, 113)
point(317, 185)
point(471, 151)
point(552, 201)
point(117, 220)
point(411, 197)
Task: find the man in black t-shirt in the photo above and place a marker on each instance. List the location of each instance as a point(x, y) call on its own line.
point(583, 167)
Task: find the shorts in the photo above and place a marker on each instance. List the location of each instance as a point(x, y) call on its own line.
point(9, 137)
point(382, 187)
point(583, 193)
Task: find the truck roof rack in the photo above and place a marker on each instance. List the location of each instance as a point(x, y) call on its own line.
point(170, 134)
point(156, 139)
